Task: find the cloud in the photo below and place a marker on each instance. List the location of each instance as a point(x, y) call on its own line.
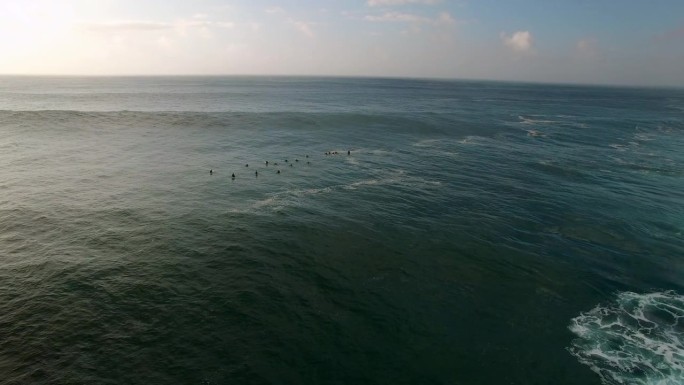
point(303, 27)
point(143, 26)
point(273, 10)
point(520, 41)
point(444, 18)
point(397, 17)
point(379, 3)
point(119, 26)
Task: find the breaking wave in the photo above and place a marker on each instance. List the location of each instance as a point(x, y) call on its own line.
point(636, 340)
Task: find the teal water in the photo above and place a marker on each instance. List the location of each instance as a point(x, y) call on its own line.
point(477, 233)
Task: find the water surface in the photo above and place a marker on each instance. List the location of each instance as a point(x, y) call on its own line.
point(465, 239)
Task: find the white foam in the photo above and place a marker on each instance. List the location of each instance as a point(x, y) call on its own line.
point(642, 137)
point(534, 133)
point(524, 120)
point(471, 139)
point(289, 197)
point(439, 147)
point(369, 182)
point(265, 202)
point(371, 151)
point(351, 160)
point(294, 197)
point(636, 340)
point(426, 143)
point(542, 120)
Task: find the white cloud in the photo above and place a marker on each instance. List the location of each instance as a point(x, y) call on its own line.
point(444, 18)
point(273, 10)
point(398, 17)
point(520, 41)
point(142, 26)
point(303, 27)
point(131, 25)
point(378, 3)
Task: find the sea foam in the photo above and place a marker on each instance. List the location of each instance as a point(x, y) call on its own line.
point(637, 339)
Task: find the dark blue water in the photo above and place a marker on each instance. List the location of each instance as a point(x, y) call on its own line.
point(477, 233)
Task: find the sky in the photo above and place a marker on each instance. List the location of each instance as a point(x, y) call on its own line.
point(621, 42)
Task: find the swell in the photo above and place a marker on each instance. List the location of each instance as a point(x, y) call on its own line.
point(218, 119)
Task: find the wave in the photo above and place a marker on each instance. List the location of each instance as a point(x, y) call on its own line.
point(636, 340)
point(290, 119)
point(280, 200)
point(526, 120)
point(539, 120)
point(535, 133)
point(426, 143)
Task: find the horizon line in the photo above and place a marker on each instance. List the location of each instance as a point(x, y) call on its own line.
point(387, 77)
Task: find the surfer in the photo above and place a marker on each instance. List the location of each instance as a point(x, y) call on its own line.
point(348, 152)
point(267, 163)
point(278, 172)
point(246, 165)
point(211, 172)
point(233, 176)
point(256, 173)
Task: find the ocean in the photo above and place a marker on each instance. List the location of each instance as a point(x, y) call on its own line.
point(404, 231)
